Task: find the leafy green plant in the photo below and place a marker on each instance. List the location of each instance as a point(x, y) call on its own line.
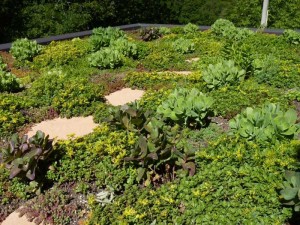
point(9, 82)
point(102, 37)
point(3, 66)
point(107, 58)
point(187, 107)
point(291, 190)
point(190, 28)
point(184, 46)
point(242, 33)
point(266, 69)
point(22, 155)
point(293, 94)
point(128, 49)
point(24, 49)
point(266, 124)
point(241, 55)
point(223, 27)
point(165, 30)
point(223, 73)
point(149, 34)
point(291, 36)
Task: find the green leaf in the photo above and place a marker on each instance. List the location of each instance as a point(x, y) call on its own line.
point(140, 173)
point(289, 193)
point(143, 146)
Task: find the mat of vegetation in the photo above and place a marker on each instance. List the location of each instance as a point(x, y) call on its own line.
point(217, 146)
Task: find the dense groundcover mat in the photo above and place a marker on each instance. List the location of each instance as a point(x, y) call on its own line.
point(214, 139)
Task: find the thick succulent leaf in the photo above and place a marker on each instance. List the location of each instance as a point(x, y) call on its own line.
point(190, 166)
point(14, 171)
point(143, 146)
point(291, 116)
point(24, 147)
point(24, 139)
point(153, 155)
point(289, 193)
point(140, 173)
point(31, 173)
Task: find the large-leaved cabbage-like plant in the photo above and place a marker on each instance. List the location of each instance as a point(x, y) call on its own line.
point(106, 58)
point(222, 74)
point(291, 190)
point(188, 107)
point(266, 124)
point(102, 37)
point(291, 36)
point(24, 49)
point(184, 46)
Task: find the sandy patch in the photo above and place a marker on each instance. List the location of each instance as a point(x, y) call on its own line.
point(14, 219)
point(124, 96)
point(60, 128)
point(192, 60)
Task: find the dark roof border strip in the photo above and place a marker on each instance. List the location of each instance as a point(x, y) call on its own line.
point(47, 40)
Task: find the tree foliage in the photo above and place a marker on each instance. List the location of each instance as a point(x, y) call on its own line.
point(38, 18)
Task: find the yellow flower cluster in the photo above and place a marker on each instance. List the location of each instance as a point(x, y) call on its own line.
point(113, 143)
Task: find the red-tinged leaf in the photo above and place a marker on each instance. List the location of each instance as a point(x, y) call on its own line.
point(190, 166)
point(130, 159)
point(153, 156)
point(31, 174)
point(14, 172)
point(24, 147)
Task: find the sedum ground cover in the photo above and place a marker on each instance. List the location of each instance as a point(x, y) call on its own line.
point(217, 146)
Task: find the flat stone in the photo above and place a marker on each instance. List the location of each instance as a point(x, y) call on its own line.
point(192, 60)
point(60, 128)
point(14, 219)
point(124, 96)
